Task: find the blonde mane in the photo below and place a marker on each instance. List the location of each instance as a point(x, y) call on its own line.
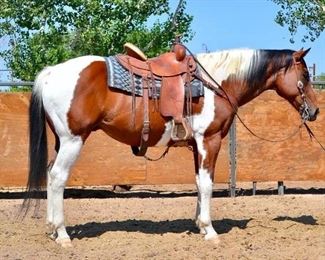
point(251, 66)
point(222, 64)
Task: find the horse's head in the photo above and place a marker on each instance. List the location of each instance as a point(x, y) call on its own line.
point(293, 83)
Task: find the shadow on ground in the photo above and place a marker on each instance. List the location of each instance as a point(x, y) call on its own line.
point(305, 219)
point(103, 194)
point(95, 229)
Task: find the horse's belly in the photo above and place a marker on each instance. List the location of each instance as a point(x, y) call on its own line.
point(130, 135)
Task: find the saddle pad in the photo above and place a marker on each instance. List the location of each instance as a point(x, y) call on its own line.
point(119, 78)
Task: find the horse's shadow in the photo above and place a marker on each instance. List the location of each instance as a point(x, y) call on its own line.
point(95, 229)
point(305, 219)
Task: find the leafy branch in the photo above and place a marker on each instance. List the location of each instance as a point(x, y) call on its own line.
point(309, 14)
point(46, 32)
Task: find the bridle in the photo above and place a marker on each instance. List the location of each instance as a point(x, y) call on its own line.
point(304, 107)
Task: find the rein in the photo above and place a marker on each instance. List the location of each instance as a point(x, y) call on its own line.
point(160, 157)
point(312, 135)
point(300, 86)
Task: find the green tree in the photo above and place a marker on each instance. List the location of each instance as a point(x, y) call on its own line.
point(309, 14)
point(46, 32)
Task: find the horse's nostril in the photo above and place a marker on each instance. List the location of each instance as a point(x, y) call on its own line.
point(314, 116)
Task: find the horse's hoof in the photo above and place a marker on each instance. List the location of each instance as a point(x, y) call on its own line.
point(52, 235)
point(64, 242)
point(214, 238)
point(202, 231)
point(50, 227)
point(200, 226)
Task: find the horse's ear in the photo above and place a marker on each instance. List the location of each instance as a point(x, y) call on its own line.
point(299, 55)
point(306, 52)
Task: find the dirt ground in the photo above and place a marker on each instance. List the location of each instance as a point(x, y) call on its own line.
point(150, 225)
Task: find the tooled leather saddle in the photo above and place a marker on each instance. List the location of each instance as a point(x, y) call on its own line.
point(176, 70)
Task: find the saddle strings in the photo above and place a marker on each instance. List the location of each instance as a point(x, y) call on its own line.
point(133, 94)
point(154, 92)
point(225, 95)
point(188, 92)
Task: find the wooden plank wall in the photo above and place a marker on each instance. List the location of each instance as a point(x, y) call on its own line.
point(104, 161)
point(297, 159)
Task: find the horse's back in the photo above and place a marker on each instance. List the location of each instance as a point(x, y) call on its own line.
point(64, 75)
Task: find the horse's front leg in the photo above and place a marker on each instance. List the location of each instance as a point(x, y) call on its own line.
point(197, 160)
point(208, 148)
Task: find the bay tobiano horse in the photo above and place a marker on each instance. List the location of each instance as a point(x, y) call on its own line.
point(74, 99)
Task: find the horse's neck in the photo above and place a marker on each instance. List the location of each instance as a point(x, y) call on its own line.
point(231, 70)
point(241, 92)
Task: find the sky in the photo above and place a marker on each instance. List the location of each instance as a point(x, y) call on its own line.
point(228, 24)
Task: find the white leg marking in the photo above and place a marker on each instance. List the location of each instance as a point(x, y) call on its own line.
point(49, 218)
point(58, 176)
point(198, 207)
point(205, 185)
point(204, 219)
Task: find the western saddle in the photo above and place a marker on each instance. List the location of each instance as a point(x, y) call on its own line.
point(175, 70)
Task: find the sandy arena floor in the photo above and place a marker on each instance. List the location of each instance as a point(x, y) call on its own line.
point(259, 227)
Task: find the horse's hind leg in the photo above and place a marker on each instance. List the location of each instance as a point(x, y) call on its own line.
point(70, 147)
point(49, 218)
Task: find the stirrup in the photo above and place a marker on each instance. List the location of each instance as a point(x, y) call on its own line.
point(181, 131)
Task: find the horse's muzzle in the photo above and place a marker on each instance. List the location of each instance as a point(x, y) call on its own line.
point(313, 114)
point(308, 112)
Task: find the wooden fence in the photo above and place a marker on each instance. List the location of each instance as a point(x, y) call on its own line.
point(104, 161)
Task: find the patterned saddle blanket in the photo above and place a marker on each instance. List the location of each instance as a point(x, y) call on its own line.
point(119, 78)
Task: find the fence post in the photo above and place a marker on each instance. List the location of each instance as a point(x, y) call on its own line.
point(280, 188)
point(232, 156)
